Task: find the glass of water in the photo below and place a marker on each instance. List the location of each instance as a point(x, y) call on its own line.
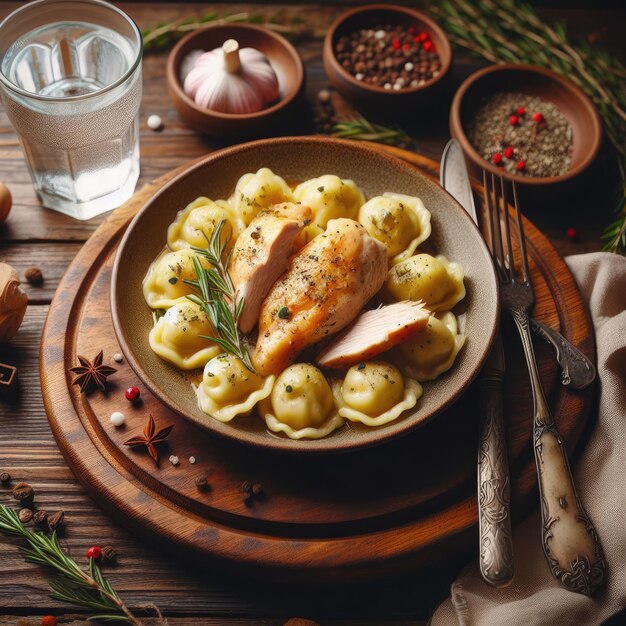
point(70, 82)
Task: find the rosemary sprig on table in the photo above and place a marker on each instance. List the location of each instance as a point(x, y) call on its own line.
point(166, 34)
point(361, 129)
point(89, 589)
point(216, 296)
point(506, 31)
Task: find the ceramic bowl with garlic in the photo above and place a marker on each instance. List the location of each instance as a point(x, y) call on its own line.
point(234, 80)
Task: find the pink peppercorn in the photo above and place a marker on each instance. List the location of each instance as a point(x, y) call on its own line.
point(538, 117)
point(508, 152)
point(497, 158)
point(521, 165)
point(514, 120)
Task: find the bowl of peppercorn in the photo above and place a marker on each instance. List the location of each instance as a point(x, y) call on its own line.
point(525, 123)
point(385, 55)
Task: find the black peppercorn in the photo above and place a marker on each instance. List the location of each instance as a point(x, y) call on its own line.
point(5, 478)
point(55, 520)
point(108, 554)
point(202, 484)
point(23, 493)
point(40, 518)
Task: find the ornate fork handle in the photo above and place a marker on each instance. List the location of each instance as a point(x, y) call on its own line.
point(569, 539)
point(494, 520)
point(577, 371)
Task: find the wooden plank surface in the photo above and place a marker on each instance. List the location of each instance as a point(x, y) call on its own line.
point(38, 237)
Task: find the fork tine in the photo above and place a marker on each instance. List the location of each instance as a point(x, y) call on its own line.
point(522, 237)
point(487, 193)
point(498, 243)
point(510, 259)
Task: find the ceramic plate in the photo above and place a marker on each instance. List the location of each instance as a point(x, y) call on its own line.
point(298, 159)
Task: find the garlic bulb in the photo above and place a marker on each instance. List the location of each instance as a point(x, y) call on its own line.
point(13, 302)
point(230, 80)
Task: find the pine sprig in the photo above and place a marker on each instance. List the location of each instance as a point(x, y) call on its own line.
point(360, 129)
point(166, 34)
point(72, 584)
point(215, 295)
point(506, 31)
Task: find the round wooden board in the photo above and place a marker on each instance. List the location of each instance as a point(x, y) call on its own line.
point(342, 517)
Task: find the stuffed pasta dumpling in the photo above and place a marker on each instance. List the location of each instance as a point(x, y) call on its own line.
point(329, 197)
point(301, 404)
point(195, 224)
point(255, 192)
point(400, 222)
point(375, 393)
point(433, 350)
point(165, 281)
point(179, 336)
point(435, 281)
point(229, 388)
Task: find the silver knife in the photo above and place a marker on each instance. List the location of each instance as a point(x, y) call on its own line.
point(494, 513)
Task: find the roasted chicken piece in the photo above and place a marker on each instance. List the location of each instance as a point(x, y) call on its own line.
point(261, 255)
point(325, 288)
point(374, 332)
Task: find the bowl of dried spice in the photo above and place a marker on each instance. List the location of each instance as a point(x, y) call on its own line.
point(525, 123)
point(385, 55)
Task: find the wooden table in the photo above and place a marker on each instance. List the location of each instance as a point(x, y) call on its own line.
point(38, 237)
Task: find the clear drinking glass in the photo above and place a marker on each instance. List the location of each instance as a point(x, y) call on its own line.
point(70, 81)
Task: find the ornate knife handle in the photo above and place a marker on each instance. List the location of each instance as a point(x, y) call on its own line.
point(569, 539)
point(577, 371)
point(494, 518)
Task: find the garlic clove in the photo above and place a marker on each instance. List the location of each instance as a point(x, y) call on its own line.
point(13, 302)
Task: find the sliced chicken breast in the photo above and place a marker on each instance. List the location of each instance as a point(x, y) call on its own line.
point(374, 332)
point(325, 288)
point(261, 255)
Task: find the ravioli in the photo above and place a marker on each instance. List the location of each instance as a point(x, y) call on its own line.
point(433, 350)
point(164, 283)
point(330, 198)
point(435, 281)
point(176, 337)
point(195, 224)
point(229, 388)
point(255, 192)
point(399, 222)
point(301, 404)
point(375, 393)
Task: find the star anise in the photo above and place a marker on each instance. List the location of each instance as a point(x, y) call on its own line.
point(90, 374)
point(150, 439)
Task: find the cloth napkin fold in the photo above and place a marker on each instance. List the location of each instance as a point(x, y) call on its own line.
point(535, 598)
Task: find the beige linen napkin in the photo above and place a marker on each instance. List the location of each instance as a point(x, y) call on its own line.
point(535, 598)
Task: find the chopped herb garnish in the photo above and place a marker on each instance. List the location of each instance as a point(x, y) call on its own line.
point(361, 366)
point(173, 280)
point(288, 388)
point(321, 189)
point(283, 313)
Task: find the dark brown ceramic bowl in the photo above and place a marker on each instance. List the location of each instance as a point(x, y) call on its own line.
point(298, 159)
point(370, 95)
point(283, 57)
point(535, 81)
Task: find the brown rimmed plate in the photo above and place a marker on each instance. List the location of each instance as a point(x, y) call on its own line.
point(297, 159)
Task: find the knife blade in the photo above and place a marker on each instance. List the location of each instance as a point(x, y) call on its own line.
point(494, 515)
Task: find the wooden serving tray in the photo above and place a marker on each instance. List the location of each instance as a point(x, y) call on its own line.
point(341, 517)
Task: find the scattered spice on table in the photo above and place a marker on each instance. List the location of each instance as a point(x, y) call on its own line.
point(5, 478)
point(523, 135)
point(40, 518)
point(23, 493)
point(108, 554)
point(55, 520)
point(118, 418)
point(202, 484)
point(151, 438)
point(132, 394)
point(25, 515)
point(92, 374)
point(388, 56)
point(34, 276)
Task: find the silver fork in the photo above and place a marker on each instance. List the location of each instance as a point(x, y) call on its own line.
point(569, 540)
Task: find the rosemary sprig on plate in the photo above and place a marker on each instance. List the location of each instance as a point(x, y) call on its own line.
point(215, 294)
point(89, 589)
point(361, 129)
point(506, 31)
